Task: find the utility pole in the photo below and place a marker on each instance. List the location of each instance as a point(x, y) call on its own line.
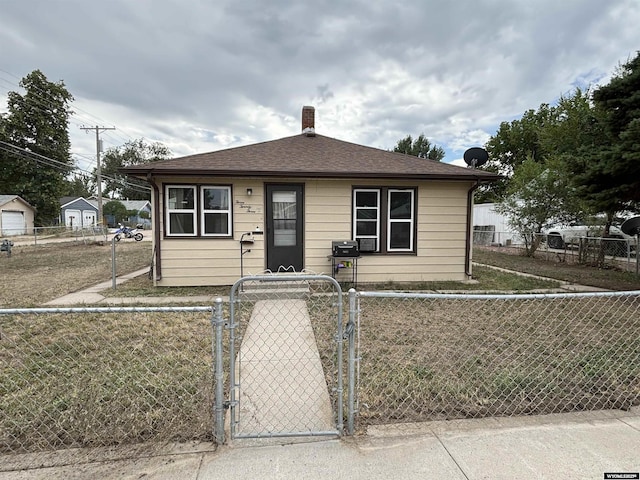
point(98, 168)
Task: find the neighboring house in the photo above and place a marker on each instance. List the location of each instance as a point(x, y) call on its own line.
point(491, 227)
point(143, 212)
point(16, 216)
point(410, 216)
point(138, 206)
point(77, 213)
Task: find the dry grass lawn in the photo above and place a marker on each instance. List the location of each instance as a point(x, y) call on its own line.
point(558, 267)
point(34, 275)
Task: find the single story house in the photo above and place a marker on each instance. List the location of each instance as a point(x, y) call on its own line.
point(16, 216)
point(141, 207)
point(77, 213)
point(292, 197)
point(143, 212)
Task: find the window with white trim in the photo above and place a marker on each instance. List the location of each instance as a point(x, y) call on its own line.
point(400, 221)
point(216, 211)
point(193, 210)
point(181, 210)
point(366, 219)
point(384, 219)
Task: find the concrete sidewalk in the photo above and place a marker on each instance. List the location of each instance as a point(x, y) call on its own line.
point(573, 446)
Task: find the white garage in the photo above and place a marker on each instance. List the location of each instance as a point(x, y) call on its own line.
point(13, 223)
point(16, 216)
point(77, 213)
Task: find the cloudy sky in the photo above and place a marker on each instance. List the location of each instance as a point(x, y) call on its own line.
point(203, 75)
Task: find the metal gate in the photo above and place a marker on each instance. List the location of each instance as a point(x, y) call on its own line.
point(285, 362)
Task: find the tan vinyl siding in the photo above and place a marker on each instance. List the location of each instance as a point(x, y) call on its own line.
point(440, 245)
point(327, 218)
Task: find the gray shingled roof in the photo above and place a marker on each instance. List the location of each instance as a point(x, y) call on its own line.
point(7, 198)
point(309, 156)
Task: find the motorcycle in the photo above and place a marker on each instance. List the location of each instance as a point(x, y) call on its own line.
point(127, 232)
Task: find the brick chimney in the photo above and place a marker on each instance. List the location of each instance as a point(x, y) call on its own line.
point(308, 119)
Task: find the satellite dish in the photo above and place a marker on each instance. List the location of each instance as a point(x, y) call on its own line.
point(476, 157)
point(631, 226)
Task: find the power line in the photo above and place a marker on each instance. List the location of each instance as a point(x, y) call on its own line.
point(39, 100)
point(8, 147)
point(65, 168)
point(45, 96)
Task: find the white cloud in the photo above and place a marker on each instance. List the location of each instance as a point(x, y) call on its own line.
point(206, 76)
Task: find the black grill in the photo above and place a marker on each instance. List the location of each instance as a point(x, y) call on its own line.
point(345, 248)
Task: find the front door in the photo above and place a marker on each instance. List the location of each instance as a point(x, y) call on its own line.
point(285, 227)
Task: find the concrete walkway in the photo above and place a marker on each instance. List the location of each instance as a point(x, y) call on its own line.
point(92, 295)
point(282, 383)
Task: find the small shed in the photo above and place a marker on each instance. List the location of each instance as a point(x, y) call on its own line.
point(16, 216)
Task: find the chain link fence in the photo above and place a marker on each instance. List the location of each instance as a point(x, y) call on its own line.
point(613, 252)
point(99, 377)
point(427, 357)
point(41, 235)
point(96, 377)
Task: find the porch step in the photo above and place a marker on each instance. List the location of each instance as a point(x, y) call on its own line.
point(275, 290)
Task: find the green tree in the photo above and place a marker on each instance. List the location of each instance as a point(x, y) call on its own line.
point(117, 209)
point(536, 197)
point(572, 124)
point(79, 186)
point(519, 140)
point(131, 153)
point(420, 147)
point(514, 143)
point(37, 121)
point(606, 172)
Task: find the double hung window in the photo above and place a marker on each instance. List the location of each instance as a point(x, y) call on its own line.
point(366, 219)
point(181, 210)
point(384, 219)
point(216, 211)
point(400, 220)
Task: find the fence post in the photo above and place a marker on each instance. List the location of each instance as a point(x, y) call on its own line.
point(113, 263)
point(351, 330)
point(217, 323)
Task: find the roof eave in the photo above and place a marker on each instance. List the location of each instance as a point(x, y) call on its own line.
point(308, 174)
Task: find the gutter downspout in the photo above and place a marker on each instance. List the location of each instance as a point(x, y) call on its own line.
point(467, 253)
point(156, 230)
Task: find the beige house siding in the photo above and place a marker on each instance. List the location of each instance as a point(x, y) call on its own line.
point(441, 234)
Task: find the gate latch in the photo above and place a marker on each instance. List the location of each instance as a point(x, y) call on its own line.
point(349, 330)
point(227, 404)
